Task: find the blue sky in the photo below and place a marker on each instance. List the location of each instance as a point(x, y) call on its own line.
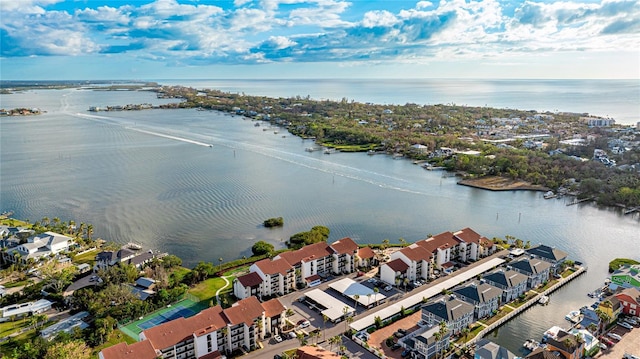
point(175, 39)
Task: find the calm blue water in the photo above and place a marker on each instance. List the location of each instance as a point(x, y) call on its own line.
point(618, 99)
point(150, 177)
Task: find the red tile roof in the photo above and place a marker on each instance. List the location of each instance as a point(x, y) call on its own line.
point(416, 253)
point(212, 355)
point(442, 241)
point(244, 311)
point(398, 265)
point(344, 246)
point(307, 253)
point(269, 267)
point(168, 334)
point(139, 350)
point(310, 352)
point(468, 235)
point(273, 308)
point(207, 321)
point(252, 279)
point(366, 253)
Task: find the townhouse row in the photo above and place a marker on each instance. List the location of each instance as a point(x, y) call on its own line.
point(210, 334)
point(304, 267)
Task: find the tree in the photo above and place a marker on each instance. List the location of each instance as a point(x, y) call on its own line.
point(355, 301)
point(57, 279)
point(74, 349)
point(324, 330)
point(261, 248)
point(376, 290)
point(301, 338)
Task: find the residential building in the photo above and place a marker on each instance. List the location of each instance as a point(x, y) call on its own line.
point(393, 271)
point(366, 258)
point(550, 254)
point(143, 287)
point(315, 352)
point(344, 253)
point(611, 307)
point(456, 313)
point(278, 277)
point(427, 345)
point(541, 353)
point(536, 270)
point(38, 247)
point(136, 258)
point(216, 331)
point(311, 260)
point(512, 283)
point(483, 296)
point(473, 246)
point(248, 285)
point(138, 350)
point(486, 349)
point(629, 298)
point(416, 258)
point(626, 276)
point(567, 345)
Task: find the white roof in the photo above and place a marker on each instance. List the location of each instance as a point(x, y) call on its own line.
point(66, 325)
point(429, 292)
point(334, 307)
point(25, 308)
point(349, 288)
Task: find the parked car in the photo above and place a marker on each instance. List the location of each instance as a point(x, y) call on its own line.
point(398, 335)
point(395, 346)
point(606, 340)
point(630, 356)
point(614, 336)
point(292, 335)
point(603, 346)
point(403, 331)
point(388, 288)
point(625, 325)
point(372, 280)
point(303, 323)
point(278, 339)
point(405, 353)
point(631, 321)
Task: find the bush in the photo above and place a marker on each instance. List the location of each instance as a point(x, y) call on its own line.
point(274, 222)
point(262, 248)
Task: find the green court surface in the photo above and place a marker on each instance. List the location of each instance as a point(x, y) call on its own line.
point(184, 308)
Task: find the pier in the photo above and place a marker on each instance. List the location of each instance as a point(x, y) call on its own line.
point(526, 305)
point(631, 210)
point(580, 201)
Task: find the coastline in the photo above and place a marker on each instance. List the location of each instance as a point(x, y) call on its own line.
point(496, 183)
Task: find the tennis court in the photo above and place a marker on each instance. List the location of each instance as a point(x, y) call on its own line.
point(185, 308)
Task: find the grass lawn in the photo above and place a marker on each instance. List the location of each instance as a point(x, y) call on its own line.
point(568, 272)
point(17, 341)
point(18, 283)
point(549, 285)
point(14, 222)
point(179, 272)
point(207, 289)
point(504, 311)
point(116, 337)
point(9, 327)
point(89, 257)
point(518, 303)
point(472, 334)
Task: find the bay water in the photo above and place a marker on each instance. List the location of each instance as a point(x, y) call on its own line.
point(152, 178)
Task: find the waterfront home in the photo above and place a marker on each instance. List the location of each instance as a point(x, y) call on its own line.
point(143, 288)
point(248, 285)
point(542, 353)
point(456, 313)
point(138, 350)
point(426, 344)
point(38, 247)
point(486, 349)
point(212, 332)
point(590, 319)
point(473, 246)
point(550, 254)
point(627, 276)
point(315, 352)
point(67, 325)
point(483, 296)
point(394, 272)
point(277, 277)
point(630, 300)
point(366, 258)
point(415, 257)
point(512, 283)
point(344, 252)
point(124, 255)
point(591, 343)
point(567, 345)
point(611, 307)
point(536, 270)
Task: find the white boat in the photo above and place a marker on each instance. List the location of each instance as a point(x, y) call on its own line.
point(549, 194)
point(328, 151)
point(574, 316)
point(257, 124)
point(531, 344)
point(543, 300)
point(309, 149)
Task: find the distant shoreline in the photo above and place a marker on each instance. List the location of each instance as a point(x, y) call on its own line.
point(495, 183)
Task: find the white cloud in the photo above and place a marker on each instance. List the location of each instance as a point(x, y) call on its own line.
point(379, 18)
point(423, 4)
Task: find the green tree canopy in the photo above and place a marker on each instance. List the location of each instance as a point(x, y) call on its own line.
point(262, 247)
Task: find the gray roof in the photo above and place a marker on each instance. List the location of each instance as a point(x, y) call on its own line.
point(509, 278)
point(145, 282)
point(489, 350)
point(532, 266)
point(449, 309)
point(479, 293)
point(544, 251)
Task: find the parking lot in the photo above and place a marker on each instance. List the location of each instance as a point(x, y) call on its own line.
point(630, 343)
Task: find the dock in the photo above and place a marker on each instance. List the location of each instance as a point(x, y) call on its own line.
point(631, 210)
point(580, 201)
point(526, 305)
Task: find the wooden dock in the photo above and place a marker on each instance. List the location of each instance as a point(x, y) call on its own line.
point(631, 210)
point(580, 201)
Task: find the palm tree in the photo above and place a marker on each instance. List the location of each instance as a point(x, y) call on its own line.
point(349, 321)
point(89, 231)
point(302, 339)
point(375, 292)
point(56, 221)
point(45, 221)
point(324, 330)
point(402, 241)
point(220, 261)
point(355, 300)
point(345, 310)
point(465, 333)
point(289, 312)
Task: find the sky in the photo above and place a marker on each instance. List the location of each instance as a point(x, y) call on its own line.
point(282, 39)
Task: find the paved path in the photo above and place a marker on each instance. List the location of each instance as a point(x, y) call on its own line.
point(226, 281)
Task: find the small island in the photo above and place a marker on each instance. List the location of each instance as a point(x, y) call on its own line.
point(274, 222)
